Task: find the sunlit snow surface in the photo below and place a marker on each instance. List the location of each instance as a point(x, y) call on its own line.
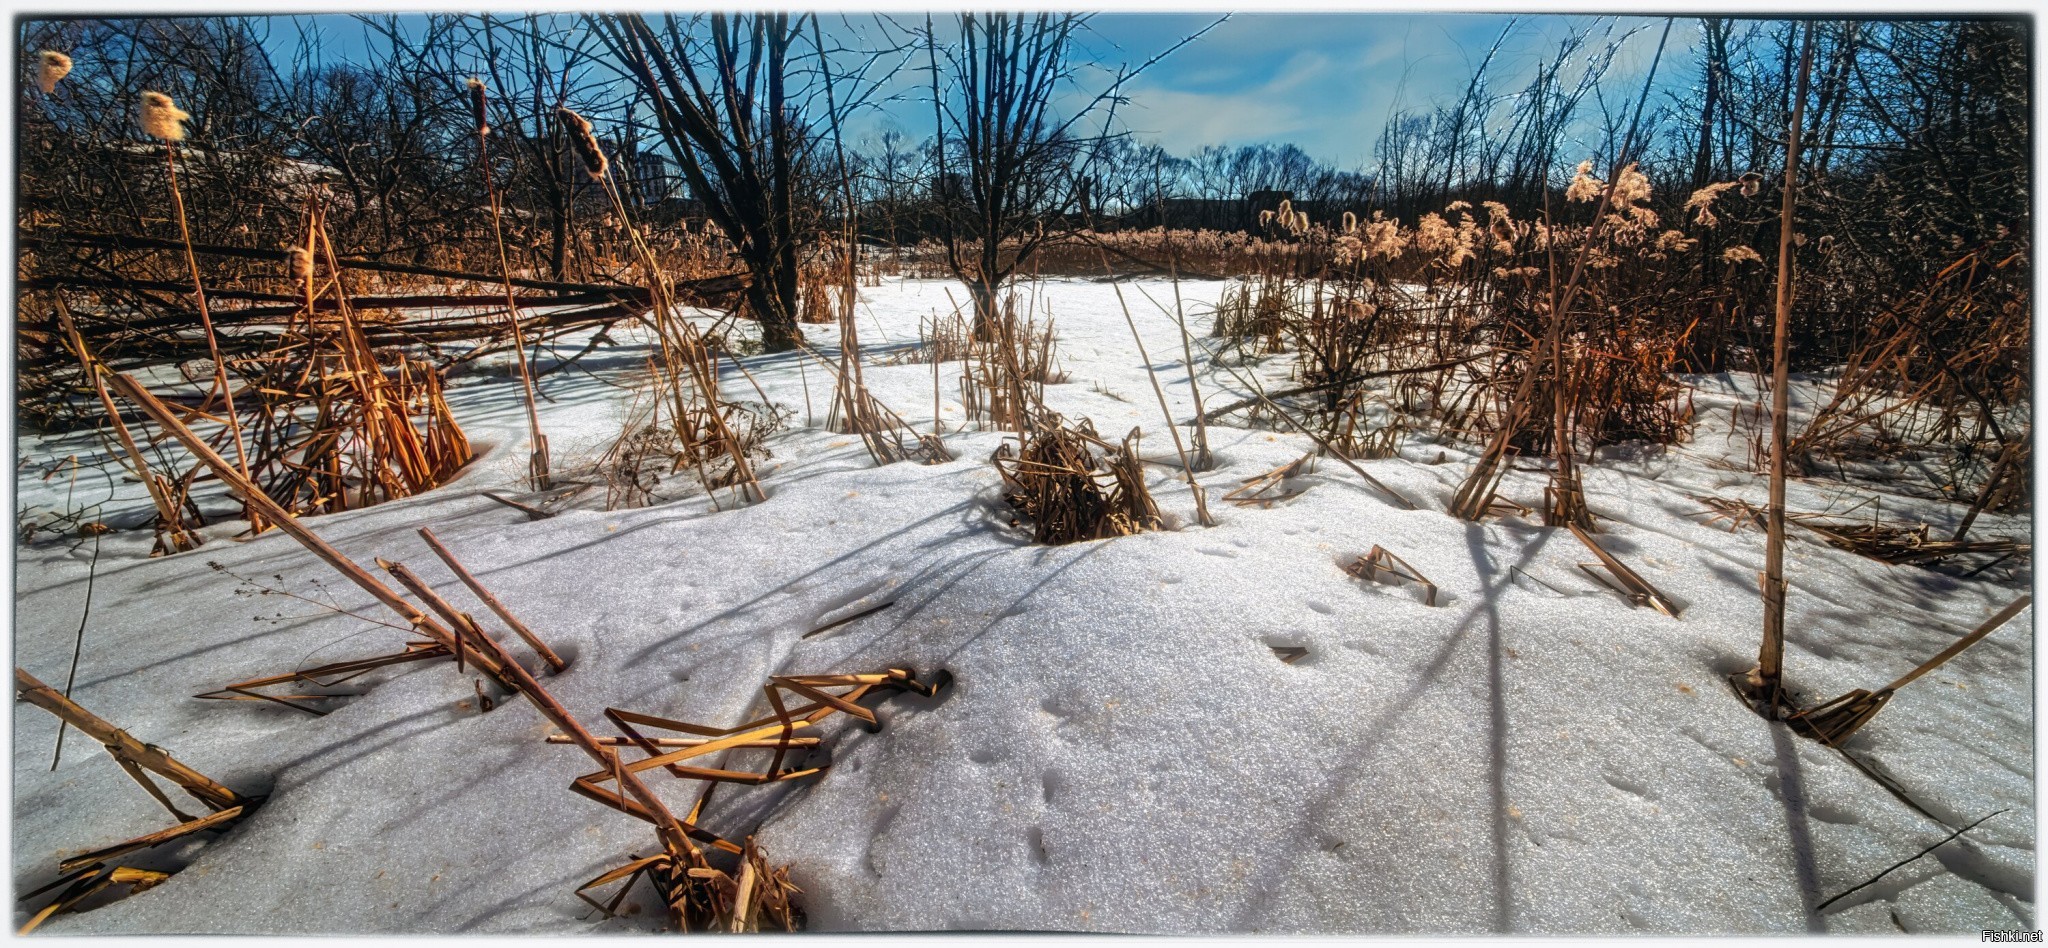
point(1122, 749)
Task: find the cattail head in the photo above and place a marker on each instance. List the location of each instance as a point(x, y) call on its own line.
point(161, 118)
point(1751, 182)
point(585, 142)
point(476, 105)
point(51, 68)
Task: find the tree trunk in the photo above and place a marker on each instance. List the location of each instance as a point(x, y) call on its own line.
point(1703, 159)
point(986, 316)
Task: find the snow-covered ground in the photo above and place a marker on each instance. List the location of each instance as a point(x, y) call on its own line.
point(1123, 748)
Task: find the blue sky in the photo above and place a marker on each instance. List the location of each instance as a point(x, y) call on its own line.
point(1327, 82)
point(1324, 81)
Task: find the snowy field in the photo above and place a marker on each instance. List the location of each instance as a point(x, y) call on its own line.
point(1123, 749)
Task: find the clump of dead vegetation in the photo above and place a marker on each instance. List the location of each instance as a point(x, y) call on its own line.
point(1071, 485)
point(81, 877)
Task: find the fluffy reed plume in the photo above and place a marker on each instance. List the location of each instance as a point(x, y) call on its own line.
point(51, 68)
point(1741, 253)
point(1672, 241)
point(1501, 225)
point(1584, 186)
point(1633, 188)
point(1347, 250)
point(1468, 241)
point(477, 110)
point(302, 264)
point(161, 118)
point(1434, 235)
point(1703, 200)
point(585, 142)
point(1383, 238)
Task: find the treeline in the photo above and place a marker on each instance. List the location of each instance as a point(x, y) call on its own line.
point(1917, 132)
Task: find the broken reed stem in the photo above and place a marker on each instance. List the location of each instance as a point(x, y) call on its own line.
point(1999, 469)
point(1203, 458)
point(386, 428)
point(158, 838)
point(671, 832)
point(803, 376)
point(484, 595)
point(786, 742)
point(1990, 625)
point(174, 537)
point(1904, 862)
point(1187, 468)
point(1396, 497)
point(933, 449)
point(220, 365)
point(92, 573)
point(539, 462)
point(124, 748)
point(852, 388)
point(465, 628)
point(255, 497)
point(681, 340)
point(1763, 680)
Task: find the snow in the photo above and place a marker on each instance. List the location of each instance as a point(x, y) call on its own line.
point(1122, 750)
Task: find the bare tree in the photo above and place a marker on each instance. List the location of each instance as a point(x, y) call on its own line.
point(1007, 177)
point(733, 129)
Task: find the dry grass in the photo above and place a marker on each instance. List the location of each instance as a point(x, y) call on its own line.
point(1893, 543)
point(1072, 486)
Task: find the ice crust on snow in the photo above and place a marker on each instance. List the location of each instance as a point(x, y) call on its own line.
point(1122, 749)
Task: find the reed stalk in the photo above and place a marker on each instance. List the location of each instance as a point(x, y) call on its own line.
point(1763, 683)
point(538, 463)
